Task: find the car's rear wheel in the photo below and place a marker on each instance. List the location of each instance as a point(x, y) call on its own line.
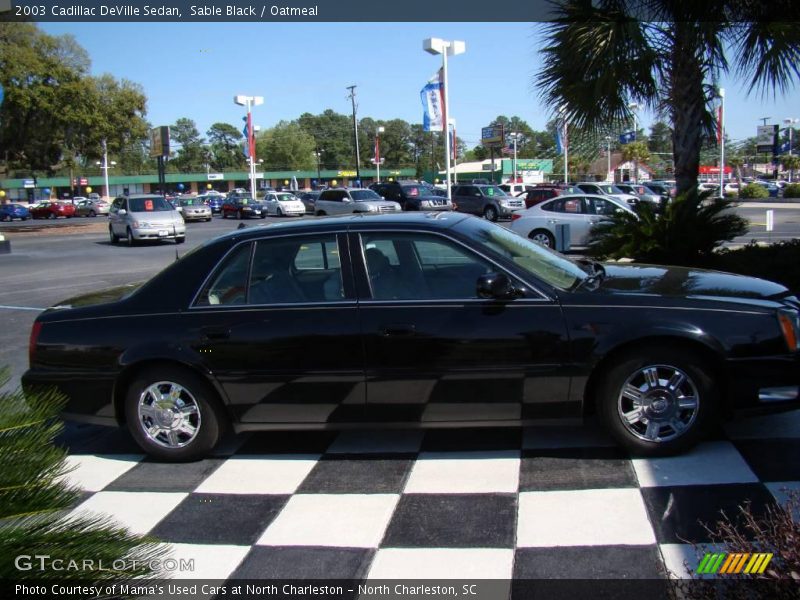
point(173, 414)
point(490, 213)
point(657, 401)
point(544, 237)
point(131, 239)
point(92, 213)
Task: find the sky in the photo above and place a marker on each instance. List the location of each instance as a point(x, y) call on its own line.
point(194, 69)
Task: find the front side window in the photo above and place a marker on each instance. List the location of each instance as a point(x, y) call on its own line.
point(360, 195)
point(409, 266)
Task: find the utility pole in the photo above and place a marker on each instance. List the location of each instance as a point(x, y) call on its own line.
point(352, 97)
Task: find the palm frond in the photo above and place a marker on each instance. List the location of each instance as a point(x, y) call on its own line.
point(768, 54)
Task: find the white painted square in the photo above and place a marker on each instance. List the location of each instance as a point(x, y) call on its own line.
point(275, 474)
point(138, 511)
point(377, 442)
point(464, 473)
point(442, 563)
point(93, 472)
point(347, 520)
point(706, 464)
point(211, 561)
point(583, 518)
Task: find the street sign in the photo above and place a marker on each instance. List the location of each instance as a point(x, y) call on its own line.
point(766, 136)
point(492, 136)
point(29, 183)
point(215, 176)
point(346, 173)
point(159, 141)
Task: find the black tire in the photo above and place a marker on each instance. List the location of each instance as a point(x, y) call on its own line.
point(224, 215)
point(208, 421)
point(544, 237)
point(113, 237)
point(131, 240)
point(92, 213)
point(279, 212)
point(673, 385)
point(410, 207)
point(180, 240)
point(240, 215)
point(52, 216)
point(490, 213)
point(320, 213)
point(6, 218)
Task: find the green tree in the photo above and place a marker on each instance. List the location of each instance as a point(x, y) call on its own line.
point(790, 163)
point(660, 139)
point(286, 147)
point(226, 147)
point(670, 61)
point(35, 498)
point(333, 135)
point(191, 155)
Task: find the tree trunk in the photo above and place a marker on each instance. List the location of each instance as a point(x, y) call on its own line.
point(687, 104)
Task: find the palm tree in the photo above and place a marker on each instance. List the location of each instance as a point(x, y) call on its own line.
point(790, 162)
point(635, 151)
point(599, 57)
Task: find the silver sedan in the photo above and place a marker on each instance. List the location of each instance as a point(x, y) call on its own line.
point(91, 208)
point(195, 209)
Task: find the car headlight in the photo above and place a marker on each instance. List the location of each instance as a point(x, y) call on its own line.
point(789, 321)
point(372, 208)
point(425, 203)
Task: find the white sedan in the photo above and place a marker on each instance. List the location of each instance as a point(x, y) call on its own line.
point(284, 204)
point(580, 212)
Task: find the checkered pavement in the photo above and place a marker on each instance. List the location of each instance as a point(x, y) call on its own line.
point(557, 503)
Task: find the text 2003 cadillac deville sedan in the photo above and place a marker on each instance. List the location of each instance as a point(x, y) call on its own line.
point(415, 320)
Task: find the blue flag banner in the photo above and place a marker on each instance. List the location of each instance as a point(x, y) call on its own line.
point(628, 136)
point(433, 104)
point(559, 142)
point(246, 134)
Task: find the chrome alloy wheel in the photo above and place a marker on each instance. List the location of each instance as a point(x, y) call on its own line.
point(168, 414)
point(658, 403)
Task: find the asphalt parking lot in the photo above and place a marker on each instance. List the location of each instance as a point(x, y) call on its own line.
point(490, 503)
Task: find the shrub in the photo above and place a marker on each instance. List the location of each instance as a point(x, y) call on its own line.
point(792, 190)
point(685, 233)
point(776, 262)
point(35, 499)
point(753, 190)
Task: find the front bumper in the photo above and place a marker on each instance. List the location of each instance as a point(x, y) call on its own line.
point(768, 384)
point(159, 233)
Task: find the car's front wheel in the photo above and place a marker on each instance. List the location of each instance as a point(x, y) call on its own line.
point(321, 213)
point(173, 414)
point(113, 238)
point(657, 401)
point(544, 237)
point(131, 240)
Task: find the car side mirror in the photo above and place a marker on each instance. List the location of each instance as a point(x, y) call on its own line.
point(346, 200)
point(496, 286)
point(122, 212)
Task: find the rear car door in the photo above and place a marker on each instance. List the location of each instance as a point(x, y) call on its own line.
point(277, 324)
point(435, 352)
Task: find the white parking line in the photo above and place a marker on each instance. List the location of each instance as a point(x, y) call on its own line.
point(21, 308)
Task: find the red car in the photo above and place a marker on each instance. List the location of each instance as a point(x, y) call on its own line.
point(52, 210)
point(546, 191)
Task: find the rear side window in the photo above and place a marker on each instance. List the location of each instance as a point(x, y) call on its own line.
point(332, 195)
point(228, 285)
point(320, 255)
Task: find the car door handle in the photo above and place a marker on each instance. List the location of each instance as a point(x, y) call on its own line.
point(398, 330)
point(215, 333)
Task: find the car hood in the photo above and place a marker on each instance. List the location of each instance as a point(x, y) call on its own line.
point(162, 216)
point(104, 296)
point(687, 282)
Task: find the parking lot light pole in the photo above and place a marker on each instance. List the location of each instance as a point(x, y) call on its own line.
point(514, 135)
point(250, 102)
point(721, 143)
point(633, 106)
point(445, 48)
point(105, 166)
point(790, 122)
point(378, 153)
point(609, 177)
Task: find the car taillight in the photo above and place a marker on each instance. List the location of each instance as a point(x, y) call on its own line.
point(515, 216)
point(35, 331)
point(790, 327)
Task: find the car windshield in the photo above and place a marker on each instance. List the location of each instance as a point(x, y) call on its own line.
point(244, 199)
point(154, 204)
point(193, 202)
point(493, 190)
point(610, 189)
point(364, 195)
point(546, 264)
point(286, 197)
point(417, 190)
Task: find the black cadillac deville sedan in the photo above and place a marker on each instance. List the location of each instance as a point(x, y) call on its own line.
point(415, 320)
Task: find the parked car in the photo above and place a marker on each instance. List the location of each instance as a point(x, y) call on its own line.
point(77, 199)
point(142, 217)
point(52, 210)
point(487, 201)
point(515, 189)
point(732, 188)
point(309, 200)
point(581, 213)
point(194, 208)
point(449, 318)
point(243, 207)
point(607, 189)
point(9, 212)
point(339, 201)
point(639, 191)
point(412, 195)
point(92, 208)
point(283, 204)
point(94, 196)
point(545, 191)
point(771, 188)
point(214, 202)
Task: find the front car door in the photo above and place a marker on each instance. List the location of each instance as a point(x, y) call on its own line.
point(117, 222)
point(435, 352)
point(277, 324)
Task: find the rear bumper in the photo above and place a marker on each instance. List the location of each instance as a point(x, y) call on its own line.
point(769, 384)
point(89, 396)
